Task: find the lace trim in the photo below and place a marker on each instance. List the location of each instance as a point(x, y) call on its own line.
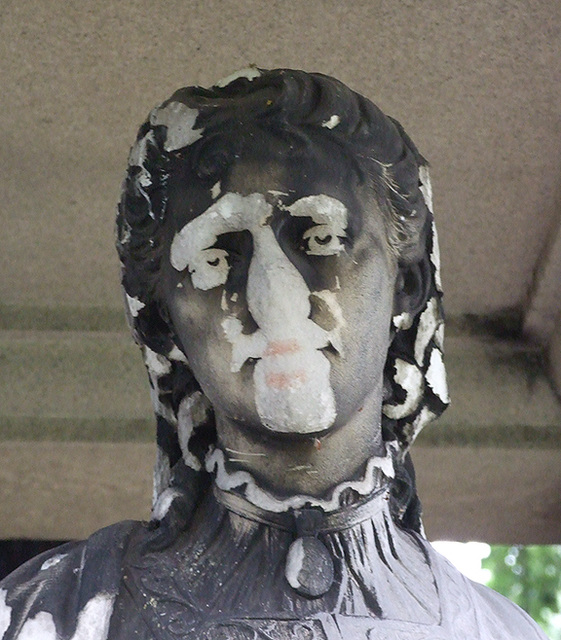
point(378, 471)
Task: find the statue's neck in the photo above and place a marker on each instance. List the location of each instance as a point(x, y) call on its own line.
point(376, 479)
point(310, 466)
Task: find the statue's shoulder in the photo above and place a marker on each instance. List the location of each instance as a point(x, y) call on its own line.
point(474, 610)
point(53, 595)
point(501, 618)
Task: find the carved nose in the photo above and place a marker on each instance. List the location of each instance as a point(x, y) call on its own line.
point(277, 294)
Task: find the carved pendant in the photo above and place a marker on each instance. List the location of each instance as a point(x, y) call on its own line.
point(309, 567)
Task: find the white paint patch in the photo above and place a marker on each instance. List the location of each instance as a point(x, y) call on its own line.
point(5, 612)
point(424, 417)
point(294, 563)
point(330, 216)
point(402, 321)
point(225, 480)
point(126, 230)
point(332, 122)
point(224, 301)
point(177, 355)
point(137, 158)
point(233, 212)
point(436, 376)
point(439, 337)
point(156, 363)
point(160, 408)
point(192, 412)
point(40, 627)
point(435, 257)
point(250, 73)
point(134, 304)
point(180, 122)
point(293, 393)
point(51, 562)
point(426, 186)
point(428, 322)
point(163, 503)
point(93, 620)
point(410, 378)
point(291, 376)
point(215, 191)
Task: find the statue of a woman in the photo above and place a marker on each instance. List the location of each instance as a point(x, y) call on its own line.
point(281, 274)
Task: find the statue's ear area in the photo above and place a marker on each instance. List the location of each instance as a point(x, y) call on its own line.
point(412, 286)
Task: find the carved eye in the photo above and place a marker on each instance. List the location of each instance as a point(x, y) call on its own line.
point(321, 241)
point(209, 269)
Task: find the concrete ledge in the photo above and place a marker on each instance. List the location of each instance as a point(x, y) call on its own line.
point(491, 494)
point(60, 491)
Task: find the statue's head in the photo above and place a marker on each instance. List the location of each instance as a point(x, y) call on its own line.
point(280, 265)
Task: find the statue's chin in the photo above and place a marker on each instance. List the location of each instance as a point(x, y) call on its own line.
point(293, 393)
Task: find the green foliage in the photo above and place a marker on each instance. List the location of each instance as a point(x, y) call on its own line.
point(531, 577)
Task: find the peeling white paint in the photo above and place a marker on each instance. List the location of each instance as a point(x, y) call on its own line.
point(330, 216)
point(410, 378)
point(180, 122)
point(163, 503)
point(439, 336)
point(156, 363)
point(435, 257)
point(40, 627)
point(51, 562)
point(191, 413)
point(5, 613)
point(332, 122)
point(428, 321)
point(137, 157)
point(426, 186)
point(402, 321)
point(250, 73)
point(215, 191)
point(294, 563)
point(425, 415)
point(93, 620)
point(436, 376)
point(243, 480)
point(134, 304)
point(160, 408)
point(177, 355)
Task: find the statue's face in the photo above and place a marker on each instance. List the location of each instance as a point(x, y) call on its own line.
point(281, 293)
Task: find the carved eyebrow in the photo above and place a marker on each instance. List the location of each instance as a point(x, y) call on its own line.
point(233, 212)
point(322, 209)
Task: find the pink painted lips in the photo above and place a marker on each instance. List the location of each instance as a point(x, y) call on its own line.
point(282, 347)
point(284, 352)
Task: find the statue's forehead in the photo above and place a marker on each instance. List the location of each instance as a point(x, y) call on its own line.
point(281, 177)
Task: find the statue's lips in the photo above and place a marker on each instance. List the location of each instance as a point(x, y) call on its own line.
point(292, 388)
point(281, 347)
point(295, 342)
